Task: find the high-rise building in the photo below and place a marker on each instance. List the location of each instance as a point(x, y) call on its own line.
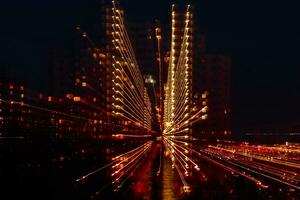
point(180, 61)
point(210, 75)
point(80, 74)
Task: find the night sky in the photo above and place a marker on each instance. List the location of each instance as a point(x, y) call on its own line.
point(263, 38)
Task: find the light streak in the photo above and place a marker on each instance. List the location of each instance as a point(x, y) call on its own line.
point(132, 100)
point(115, 160)
point(256, 160)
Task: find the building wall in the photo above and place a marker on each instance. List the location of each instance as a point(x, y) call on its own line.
point(213, 84)
point(144, 43)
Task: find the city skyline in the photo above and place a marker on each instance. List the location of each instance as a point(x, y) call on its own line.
point(148, 104)
point(250, 34)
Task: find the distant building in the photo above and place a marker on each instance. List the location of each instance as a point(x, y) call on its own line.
point(61, 72)
point(213, 90)
point(145, 46)
point(150, 84)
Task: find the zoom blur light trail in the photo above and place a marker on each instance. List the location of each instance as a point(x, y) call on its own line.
point(265, 161)
point(127, 162)
point(117, 162)
point(131, 100)
point(179, 111)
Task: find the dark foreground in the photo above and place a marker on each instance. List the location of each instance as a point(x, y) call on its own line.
point(47, 168)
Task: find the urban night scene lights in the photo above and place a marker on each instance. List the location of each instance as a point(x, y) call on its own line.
point(171, 100)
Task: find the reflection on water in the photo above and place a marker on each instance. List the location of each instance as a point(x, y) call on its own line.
point(168, 180)
point(144, 179)
point(49, 172)
point(147, 184)
point(150, 185)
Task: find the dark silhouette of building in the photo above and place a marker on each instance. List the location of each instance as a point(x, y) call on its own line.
point(214, 91)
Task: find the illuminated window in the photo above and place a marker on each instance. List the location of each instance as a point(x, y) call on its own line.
point(76, 99)
point(69, 96)
point(101, 55)
point(94, 55)
point(204, 95)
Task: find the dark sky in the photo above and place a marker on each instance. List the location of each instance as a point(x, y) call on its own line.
point(262, 36)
